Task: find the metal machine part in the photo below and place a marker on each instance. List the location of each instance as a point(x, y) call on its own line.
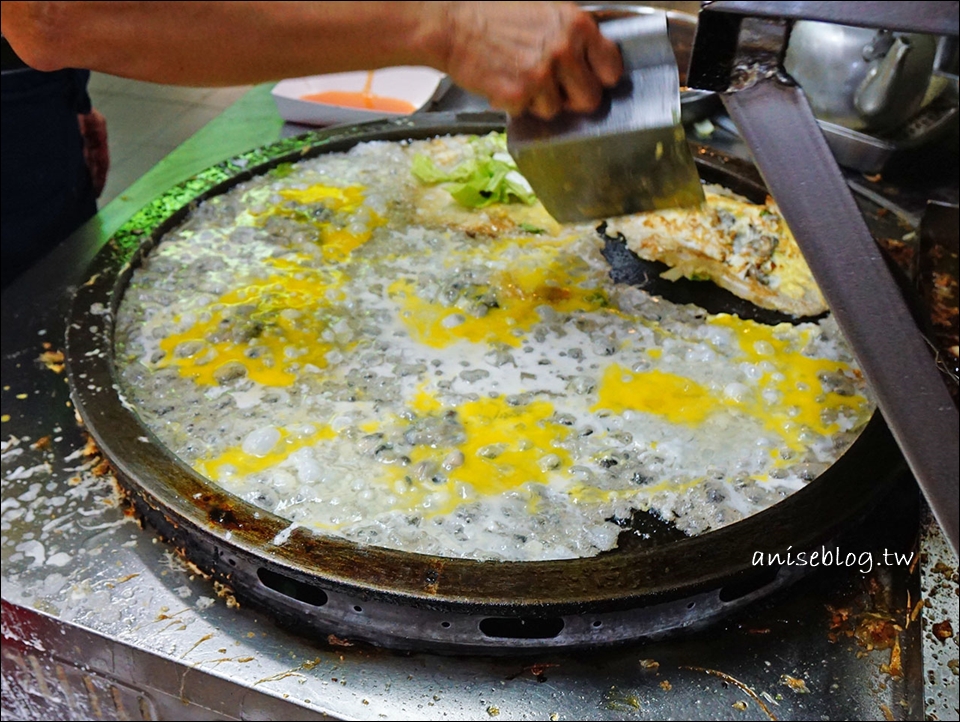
point(629, 155)
point(870, 154)
point(947, 59)
point(655, 582)
point(859, 77)
point(935, 18)
point(741, 57)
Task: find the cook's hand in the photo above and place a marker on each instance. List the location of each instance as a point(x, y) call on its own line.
point(536, 57)
point(93, 129)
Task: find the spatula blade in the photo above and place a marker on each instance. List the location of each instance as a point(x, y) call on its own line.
point(631, 154)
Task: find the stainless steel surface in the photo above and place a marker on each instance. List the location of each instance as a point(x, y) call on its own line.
point(940, 589)
point(851, 148)
point(630, 155)
point(856, 150)
point(870, 154)
point(860, 78)
point(95, 599)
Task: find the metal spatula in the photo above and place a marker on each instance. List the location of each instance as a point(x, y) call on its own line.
point(631, 154)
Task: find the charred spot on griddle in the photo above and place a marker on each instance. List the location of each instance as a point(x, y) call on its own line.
point(642, 530)
point(224, 516)
point(620, 521)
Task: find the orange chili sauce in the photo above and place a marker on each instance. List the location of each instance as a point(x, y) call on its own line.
point(363, 99)
point(357, 99)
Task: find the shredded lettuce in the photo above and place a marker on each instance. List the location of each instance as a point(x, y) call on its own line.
point(530, 228)
point(282, 170)
point(489, 177)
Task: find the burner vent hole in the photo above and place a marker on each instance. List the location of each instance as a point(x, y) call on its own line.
point(522, 627)
point(357, 608)
point(292, 588)
point(749, 585)
point(597, 624)
point(445, 625)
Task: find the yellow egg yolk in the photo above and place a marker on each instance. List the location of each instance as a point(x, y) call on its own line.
point(241, 463)
point(504, 450)
point(285, 327)
point(518, 295)
point(677, 399)
point(795, 378)
point(803, 398)
point(336, 238)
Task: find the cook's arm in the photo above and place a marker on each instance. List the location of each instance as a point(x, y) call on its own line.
point(522, 56)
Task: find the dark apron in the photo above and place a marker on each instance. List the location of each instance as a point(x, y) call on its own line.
point(46, 190)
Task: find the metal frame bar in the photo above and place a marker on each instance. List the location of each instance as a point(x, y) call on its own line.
point(738, 51)
point(937, 18)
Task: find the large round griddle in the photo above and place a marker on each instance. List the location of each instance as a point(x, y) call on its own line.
point(656, 582)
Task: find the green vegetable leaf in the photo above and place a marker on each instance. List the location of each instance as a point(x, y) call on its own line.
point(282, 170)
point(530, 228)
point(469, 195)
point(491, 176)
point(426, 171)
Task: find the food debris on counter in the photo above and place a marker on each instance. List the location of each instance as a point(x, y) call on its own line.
point(797, 685)
point(943, 630)
point(52, 360)
point(336, 641)
point(739, 685)
point(895, 666)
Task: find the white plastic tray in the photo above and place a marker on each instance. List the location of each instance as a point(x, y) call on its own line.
point(417, 85)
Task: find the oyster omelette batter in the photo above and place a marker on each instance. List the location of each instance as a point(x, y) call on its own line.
point(398, 346)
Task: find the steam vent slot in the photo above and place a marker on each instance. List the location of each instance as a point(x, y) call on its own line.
point(522, 627)
point(292, 588)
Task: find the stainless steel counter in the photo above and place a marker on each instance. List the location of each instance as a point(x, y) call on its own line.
point(102, 620)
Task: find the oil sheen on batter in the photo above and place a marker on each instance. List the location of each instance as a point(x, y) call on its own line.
point(345, 347)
